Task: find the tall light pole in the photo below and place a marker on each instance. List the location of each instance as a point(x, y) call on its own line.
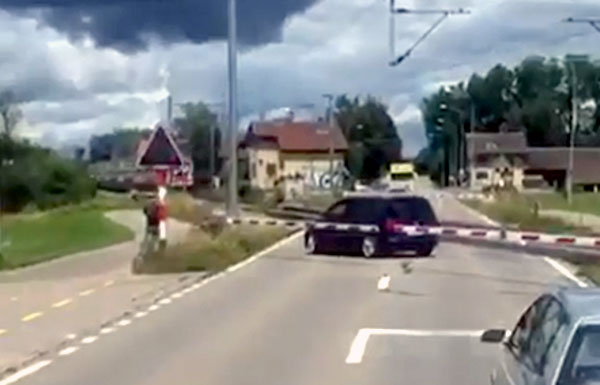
point(444, 13)
point(232, 193)
point(570, 61)
point(330, 123)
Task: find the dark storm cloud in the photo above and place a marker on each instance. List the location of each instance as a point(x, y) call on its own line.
point(127, 24)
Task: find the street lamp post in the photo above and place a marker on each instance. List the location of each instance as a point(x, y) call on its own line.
point(330, 123)
point(232, 197)
point(461, 139)
point(570, 61)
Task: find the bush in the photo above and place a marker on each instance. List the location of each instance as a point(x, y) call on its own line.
point(201, 252)
point(31, 175)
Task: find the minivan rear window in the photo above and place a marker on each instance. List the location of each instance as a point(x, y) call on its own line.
point(413, 210)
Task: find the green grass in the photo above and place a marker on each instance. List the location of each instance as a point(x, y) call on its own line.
point(582, 202)
point(37, 237)
point(591, 271)
point(517, 211)
point(203, 252)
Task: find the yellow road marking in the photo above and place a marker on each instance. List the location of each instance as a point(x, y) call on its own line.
point(86, 292)
point(32, 316)
point(62, 303)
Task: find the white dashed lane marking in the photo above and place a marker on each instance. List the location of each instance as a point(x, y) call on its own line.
point(89, 340)
point(62, 303)
point(69, 350)
point(31, 316)
point(124, 322)
point(85, 293)
point(106, 330)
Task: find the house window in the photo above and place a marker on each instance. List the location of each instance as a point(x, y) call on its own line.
point(271, 170)
point(253, 170)
point(491, 146)
point(481, 175)
point(281, 164)
point(260, 162)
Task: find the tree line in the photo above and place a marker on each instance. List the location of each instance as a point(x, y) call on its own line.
point(33, 177)
point(536, 97)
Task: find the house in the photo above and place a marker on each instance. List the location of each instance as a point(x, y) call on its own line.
point(504, 159)
point(496, 159)
point(294, 155)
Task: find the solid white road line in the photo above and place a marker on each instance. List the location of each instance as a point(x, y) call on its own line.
point(269, 249)
point(164, 301)
point(357, 349)
point(359, 344)
point(25, 372)
point(89, 340)
point(177, 295)
point(67, 351)
point(565, 271)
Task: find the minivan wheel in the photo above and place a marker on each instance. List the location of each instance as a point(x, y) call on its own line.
point(369, 247)
point(310, 244)
point(425, 251)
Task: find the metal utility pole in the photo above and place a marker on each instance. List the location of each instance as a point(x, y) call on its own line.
point(232, 193)
point(594, 22)
point(575, 107)
point(170, 110)
point(330, 123)
point(445, 13)
point(472, 149)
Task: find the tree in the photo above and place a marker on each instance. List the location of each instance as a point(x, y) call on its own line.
point(371, 134)
point(121, 144)
point(196, 126)
point(9, 112)
point(534, 96)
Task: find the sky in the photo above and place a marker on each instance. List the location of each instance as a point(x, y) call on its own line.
point(84, 67)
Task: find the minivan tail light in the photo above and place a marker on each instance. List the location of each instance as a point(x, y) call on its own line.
point(393, 224)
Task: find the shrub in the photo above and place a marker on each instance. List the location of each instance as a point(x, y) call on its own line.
point(201, 252)
point(31, 175)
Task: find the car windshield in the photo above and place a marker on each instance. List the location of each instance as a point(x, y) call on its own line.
point(582, 365)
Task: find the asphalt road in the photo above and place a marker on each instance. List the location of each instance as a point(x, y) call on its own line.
point(291, 319)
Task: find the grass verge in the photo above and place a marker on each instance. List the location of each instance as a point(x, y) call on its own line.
point(203, 252)
point(37, 237)
point(582, 202)
point(517, 211)
point(590, 271)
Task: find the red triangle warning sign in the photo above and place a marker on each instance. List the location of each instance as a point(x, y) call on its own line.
point(161, 150)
